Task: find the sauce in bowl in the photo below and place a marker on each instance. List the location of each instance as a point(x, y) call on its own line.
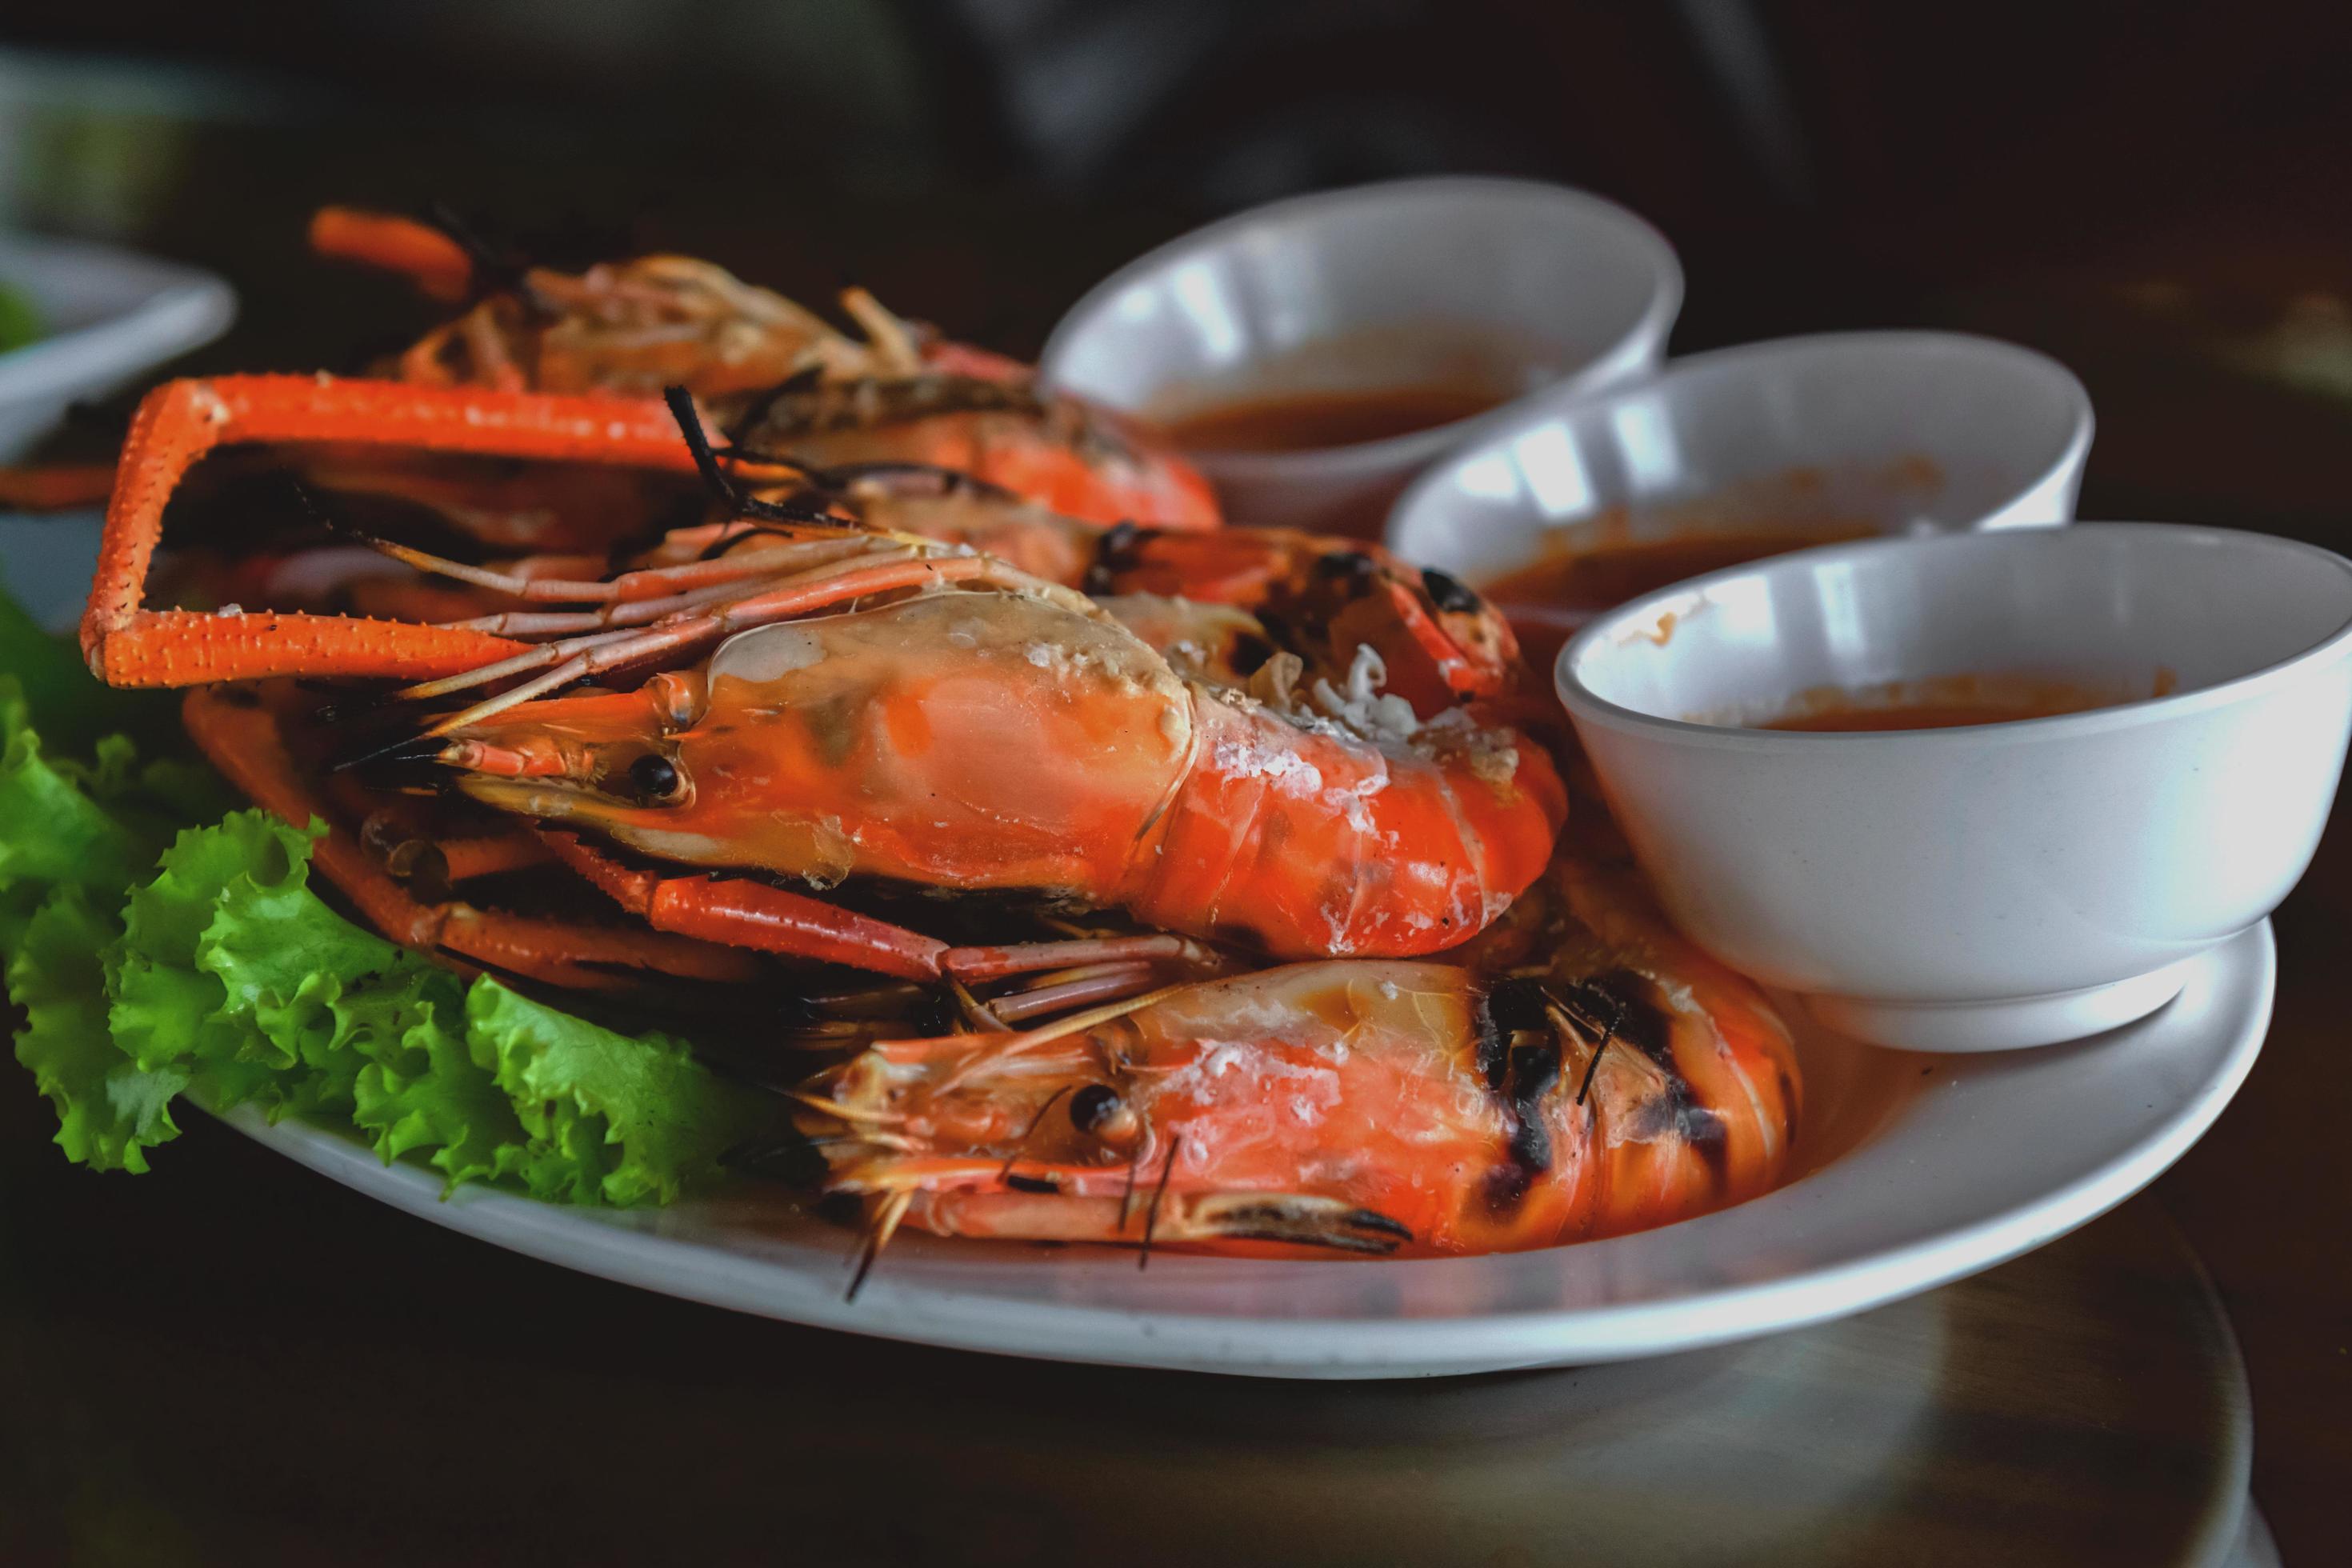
point(1949, 703)
point(1307, 421)
point(1925, 716)
point(1548, 600)
point(1601, 561)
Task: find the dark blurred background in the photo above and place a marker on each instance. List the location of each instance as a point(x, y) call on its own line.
point(2153, 192)
point(2150, 190)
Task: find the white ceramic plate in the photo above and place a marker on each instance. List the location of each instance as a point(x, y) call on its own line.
point(109, 314)
point(1936, 1167)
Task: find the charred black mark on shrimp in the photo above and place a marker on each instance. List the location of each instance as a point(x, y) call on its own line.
point(1509, 1007)
point(1306, 1222)
point(1521, 1072)
point(756, 411)
point(1351, 569)
point(1450, 593)
point(1534, 1071)
point(820, 407)
point(1646, 1024)
point(1648, 1028)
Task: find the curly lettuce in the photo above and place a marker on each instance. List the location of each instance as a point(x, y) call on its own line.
point(154, 960)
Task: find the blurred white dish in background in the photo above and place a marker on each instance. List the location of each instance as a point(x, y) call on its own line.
point(1840, 434)
point(106, 315)
point(1997, 885)
point(1378, 288)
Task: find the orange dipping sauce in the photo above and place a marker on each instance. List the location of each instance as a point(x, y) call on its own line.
point(1925, 716)
point(1949, 703)
point(1306, 421)
point(1549, 600)
point(1610, 573)
point(1621, 555)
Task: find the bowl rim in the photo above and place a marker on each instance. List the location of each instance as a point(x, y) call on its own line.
point(1642, 337)
point(1585, 705)
point(1558, 401)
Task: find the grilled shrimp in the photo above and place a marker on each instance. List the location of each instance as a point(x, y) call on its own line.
point(1009, 734)
point(776, 375)
point(1368, 1107)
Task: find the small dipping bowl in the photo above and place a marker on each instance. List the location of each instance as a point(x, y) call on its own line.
point(1490, 287)
point(1992, 886)
point(1745, 452)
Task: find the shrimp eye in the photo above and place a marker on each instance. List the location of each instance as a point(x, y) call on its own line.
point(1098, 1111)
point(1092, 1106)
point(654, 777)
point(1120, 549)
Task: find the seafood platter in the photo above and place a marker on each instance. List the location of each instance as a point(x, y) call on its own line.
point(812, 815)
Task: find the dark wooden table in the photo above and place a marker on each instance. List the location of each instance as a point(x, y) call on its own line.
point(243, 1363)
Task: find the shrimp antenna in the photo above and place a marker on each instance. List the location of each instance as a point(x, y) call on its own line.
point(1034, 1122)
point(886, 1224)
point(1609, 1033)
point(1151, 1213)
point(1127, 1195)
point(408, 555)
point(706, 463)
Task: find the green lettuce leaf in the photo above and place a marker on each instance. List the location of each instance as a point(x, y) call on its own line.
point(53, 828)
point(109, 1109)
point(620, 1118)
point(149, 964)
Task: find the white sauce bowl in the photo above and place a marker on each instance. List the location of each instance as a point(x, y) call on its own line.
point(2003, 431)
point(1989, 887)
point(1326, 292)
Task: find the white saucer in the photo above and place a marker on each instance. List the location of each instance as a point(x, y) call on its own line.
point(1935, 1167)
